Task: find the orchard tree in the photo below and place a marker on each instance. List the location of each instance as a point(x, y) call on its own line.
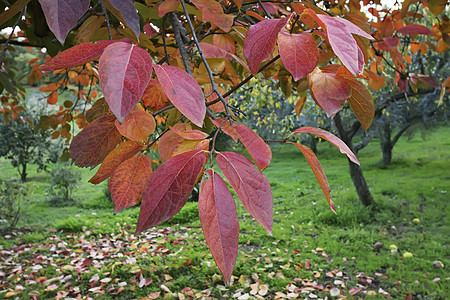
point(165, 70)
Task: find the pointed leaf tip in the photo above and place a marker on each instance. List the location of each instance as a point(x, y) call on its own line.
point(330, 138)
point(250, 185)
point(220, 224)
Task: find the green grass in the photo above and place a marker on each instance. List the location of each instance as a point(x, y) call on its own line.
point(307, 237)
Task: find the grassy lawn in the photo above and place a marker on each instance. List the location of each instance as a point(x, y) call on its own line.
point(86, 250)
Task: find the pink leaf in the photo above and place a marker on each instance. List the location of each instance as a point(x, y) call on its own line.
point(220, 225)
point(328, 90)
point(318, 172)
point(169, 187)
point(256, 147)
point(212, 51)
point(124, 72)
point(412, 29)
point(339, 32)
point(183, 91)
point(76, 55)
point(354, 291)
point(250, 185)
point(330, 138)
point(61, 15)
point(298, 52)
point(128, 181)
point(260, 41)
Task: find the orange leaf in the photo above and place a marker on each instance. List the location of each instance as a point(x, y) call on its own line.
point(137, 126)
point(121, 153)
point(52, 99)
point(361, 103)
point(212, 12)
point(318, 172)
point(128, 181)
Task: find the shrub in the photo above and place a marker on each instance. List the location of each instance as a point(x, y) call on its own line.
point(11, 204)
point(64, 180)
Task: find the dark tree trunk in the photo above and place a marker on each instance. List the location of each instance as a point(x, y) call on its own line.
point(386, 143)
point(356, 172)
point(23, 172)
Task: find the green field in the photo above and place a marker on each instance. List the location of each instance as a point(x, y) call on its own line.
point(84, 249)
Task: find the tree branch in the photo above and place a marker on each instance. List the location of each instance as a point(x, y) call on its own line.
point(208, 69)
point(5, 45)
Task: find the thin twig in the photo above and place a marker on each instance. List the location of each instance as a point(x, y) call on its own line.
point(264, 9)
point(163, 133)
point(5, 45)
point(208, 69)
point(173, 20)
point(231, 91)
point(163, 35)
point(107, 20)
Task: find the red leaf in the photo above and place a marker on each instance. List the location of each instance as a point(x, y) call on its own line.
point(76, 55)
point(318, 172)
point(330, 138)
point(167, 6)
point(361, 103)
point(414, 29)
point(339, 32)
point(154, 95)
point(137, 126)
point(250, 185)
point(124, 72)
point(128, 13)
point(93, 143)
point(220, 225)
point(183, 91)
point(61, 15)
point(256, 147)
point(260, 41)
point(128, 180)
point(328, 90)
point(149, 30)
point(298, 52)
point(212, 12)
point(169, 187)
point(121, 153)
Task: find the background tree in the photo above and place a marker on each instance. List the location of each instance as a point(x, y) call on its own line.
point(321, 47)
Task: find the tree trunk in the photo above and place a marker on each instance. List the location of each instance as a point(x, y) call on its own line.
point(385, 142)
point(23, 173)
point(356, 172)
